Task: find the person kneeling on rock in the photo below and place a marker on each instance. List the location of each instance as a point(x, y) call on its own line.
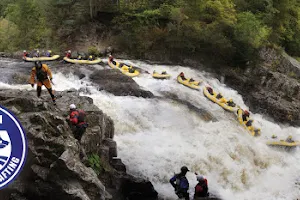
point(76, 118)
point(201, 189)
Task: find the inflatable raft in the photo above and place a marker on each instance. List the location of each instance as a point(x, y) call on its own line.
point(43, 58)
point(252, 130)
point(124, 69)
point(160, 76)
point(91, 62)
point(221, 102)
point(194, 84)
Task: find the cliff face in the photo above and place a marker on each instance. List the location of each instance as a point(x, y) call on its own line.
point(271, 88)
point(58, 166)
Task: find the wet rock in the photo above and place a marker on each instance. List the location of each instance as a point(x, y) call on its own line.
point(118, 84)
point(135, 189)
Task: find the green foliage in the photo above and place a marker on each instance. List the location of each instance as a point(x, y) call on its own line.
point(230, 30)
point(97, 164)
point(92, 50)
point(250, 30)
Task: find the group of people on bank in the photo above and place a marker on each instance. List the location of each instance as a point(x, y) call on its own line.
point(181, 185)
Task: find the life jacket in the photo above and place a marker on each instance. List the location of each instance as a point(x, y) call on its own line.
point(77, 117)
point(181, 182)
point(68, 55)
point(201, 189)
point(41, 74)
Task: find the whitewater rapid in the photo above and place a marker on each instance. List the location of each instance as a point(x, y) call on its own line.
point(157, 136)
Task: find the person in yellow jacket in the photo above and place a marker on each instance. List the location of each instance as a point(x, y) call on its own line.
point(41, 73)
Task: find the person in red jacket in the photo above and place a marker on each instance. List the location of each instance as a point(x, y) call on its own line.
point(201, 189)
point(76, 118)
point(182, 76)
point(68, 54)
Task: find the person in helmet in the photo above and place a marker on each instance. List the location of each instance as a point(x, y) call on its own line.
point(90, 58)
point(182, 76)
point(41, 74)
point(245, 115)
point(77, 119)
point(111, 59)
point(131, 69)
point(68, 54)
point(210, 90)
point(201, 189)
point(219, 96)
point(37, 53)
point(25, 53)
point(289, 139)
point(181, 184)
point(48, 53)
point(79, 57)
point(191, 80)
point(231, 103)
point(164, 73)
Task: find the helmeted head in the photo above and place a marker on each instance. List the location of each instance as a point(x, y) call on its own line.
point(72, 107)
point(69, 51)
point(37, 51)
point(184, 169)
point(38, 64)
point(230, 100)
point(24, 51)
point(246, 112)
point(274, 136)
point(290, 137)
point(164, 72)
point(199, 178)
point(49, 51)
point(90, 56)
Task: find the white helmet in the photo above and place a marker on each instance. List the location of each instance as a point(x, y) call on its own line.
point(24, 51)
point(199, 178)
point(69, 51)
point(72, 107)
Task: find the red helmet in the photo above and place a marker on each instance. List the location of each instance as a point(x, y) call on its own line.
point(246, 112)
point(181, 74)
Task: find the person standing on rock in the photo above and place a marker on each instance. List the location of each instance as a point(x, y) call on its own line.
point(76, 118)
point(42, 73)
point(181, 184)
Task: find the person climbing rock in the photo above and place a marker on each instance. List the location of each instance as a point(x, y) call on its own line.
point(181, 184)
point(77, 120)
point(41, 73)
point(201, 189)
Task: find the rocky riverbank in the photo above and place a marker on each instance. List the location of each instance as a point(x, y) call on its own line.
point(60, 167)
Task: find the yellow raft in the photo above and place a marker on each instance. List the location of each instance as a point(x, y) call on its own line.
point(193, 85)
point(283, 143)
point(160, 76)
point(124, 69)
point(221, 102)
point(96, 61)
point(254, 132)
point(43, 58)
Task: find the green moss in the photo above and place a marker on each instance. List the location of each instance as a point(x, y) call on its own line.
point(98, 165)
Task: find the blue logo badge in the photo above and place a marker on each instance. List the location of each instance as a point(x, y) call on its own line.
point(13, 147)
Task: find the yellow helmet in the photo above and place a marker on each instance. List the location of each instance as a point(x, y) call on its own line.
point(49, 51)
point(274, 136)
point(230, 100)
point(290, 137)
point(90, 56)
